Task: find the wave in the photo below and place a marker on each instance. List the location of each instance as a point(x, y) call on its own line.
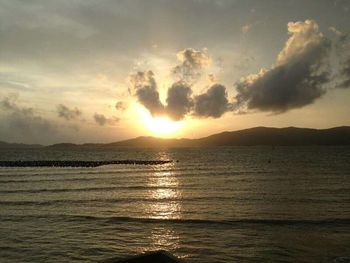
point(232, 222)
point(111, 200)
point(186, 221)
point(4, 178)
point(87, 189)
point(51, 180)
point(175, 199)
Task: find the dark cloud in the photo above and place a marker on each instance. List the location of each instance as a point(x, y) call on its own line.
point(149, 97)
point(145, 87)
point(213, 103)
point(345, 74)
point(102, 120)
point(23, 123)
point(343, 52)
point(192, 63)
point(179, 101)
point(9, 103)
point(298, 77)
point(67, 113)
point(120, 105)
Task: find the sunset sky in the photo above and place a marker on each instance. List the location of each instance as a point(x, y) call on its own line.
point(101, 71)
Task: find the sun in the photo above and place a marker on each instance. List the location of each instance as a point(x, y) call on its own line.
point(160, 126)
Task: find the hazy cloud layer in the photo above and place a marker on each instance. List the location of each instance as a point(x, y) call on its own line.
point(67, 113)
point(22, 123)
point(298, 77)
point(102, 120)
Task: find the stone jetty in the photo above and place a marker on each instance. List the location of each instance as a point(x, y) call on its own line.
point(57, 163)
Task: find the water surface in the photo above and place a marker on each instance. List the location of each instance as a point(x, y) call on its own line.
point(234, 204)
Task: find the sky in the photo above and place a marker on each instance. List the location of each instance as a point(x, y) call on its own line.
point(101, 70)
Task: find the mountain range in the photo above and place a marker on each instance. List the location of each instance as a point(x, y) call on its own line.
point(290, 136)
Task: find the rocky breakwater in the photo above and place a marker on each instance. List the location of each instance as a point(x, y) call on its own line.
point(57, 163)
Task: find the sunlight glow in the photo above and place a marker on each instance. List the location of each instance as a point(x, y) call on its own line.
point(160, 126)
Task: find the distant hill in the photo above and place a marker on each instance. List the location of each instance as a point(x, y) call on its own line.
point(249, 137)
point(146, 142)
point(6, 145)
point(279, 136)
point(290, 136)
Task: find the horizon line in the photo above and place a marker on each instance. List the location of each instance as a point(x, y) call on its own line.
point(172, 138)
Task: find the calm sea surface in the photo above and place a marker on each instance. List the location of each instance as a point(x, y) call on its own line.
point(237, 204)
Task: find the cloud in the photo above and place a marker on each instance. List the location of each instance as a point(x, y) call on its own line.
point(297, 78)
point(335, 31)
point(179, 101)
point(343, 53)
point(147, 94)
point(9, 103)
point(345, 74)
point(67, 113)
point(120, 105)
point(23, 123)
point(102, 120)
point(300, 76)
point(213, 103)
point(192, 63)
point(15, 82)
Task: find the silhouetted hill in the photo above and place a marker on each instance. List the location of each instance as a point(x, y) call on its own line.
point(290, 136)
point(146, 142)
point(64, 146)
point(250, 137)
point(279, 136)
point(6, 145)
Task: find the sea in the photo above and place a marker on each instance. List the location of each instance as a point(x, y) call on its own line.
point(223, 204)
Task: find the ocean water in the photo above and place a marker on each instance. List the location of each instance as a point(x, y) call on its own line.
point(234, 204)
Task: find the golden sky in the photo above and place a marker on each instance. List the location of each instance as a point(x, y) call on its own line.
point(102, 71)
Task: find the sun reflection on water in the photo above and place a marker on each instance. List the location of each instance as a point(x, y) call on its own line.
point(166, 195)
point(166, 205)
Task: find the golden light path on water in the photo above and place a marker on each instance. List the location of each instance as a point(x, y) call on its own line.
point(164, 187)
point(167, 195)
